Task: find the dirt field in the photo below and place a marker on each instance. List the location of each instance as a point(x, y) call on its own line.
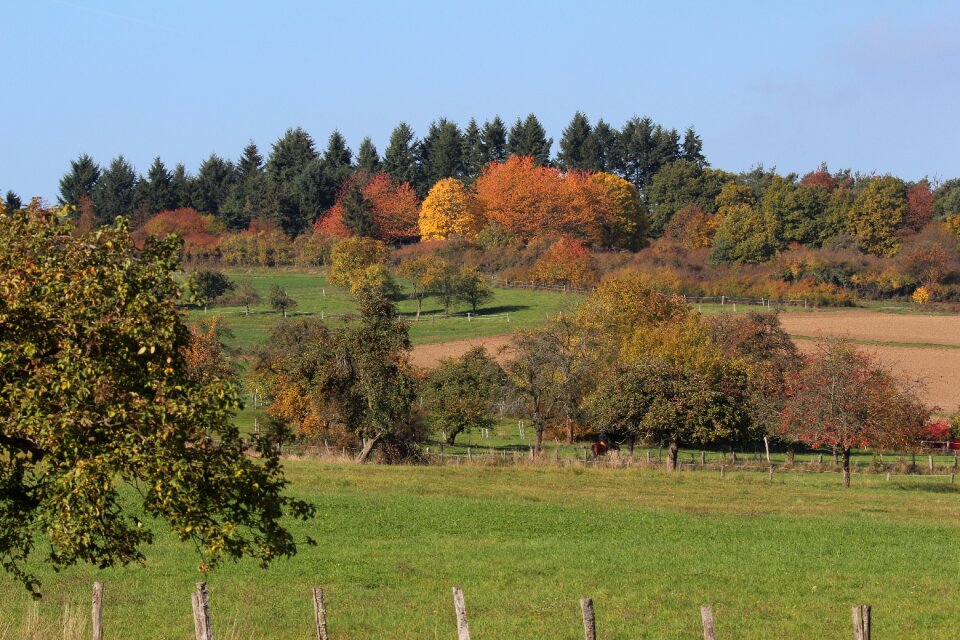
point(873, 325)
point(939, 369)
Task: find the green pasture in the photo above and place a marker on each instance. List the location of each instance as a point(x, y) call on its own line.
point(506, 312)
point(781, 559)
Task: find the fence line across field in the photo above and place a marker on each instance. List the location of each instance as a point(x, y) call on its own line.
point(721, 299)
point(203, 616)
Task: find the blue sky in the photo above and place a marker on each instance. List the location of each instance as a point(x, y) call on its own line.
point(874, 86)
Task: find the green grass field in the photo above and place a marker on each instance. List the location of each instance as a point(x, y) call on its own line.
point(509, 310)
point(785, 559)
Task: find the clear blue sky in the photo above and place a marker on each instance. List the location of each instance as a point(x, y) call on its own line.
point(870, 85)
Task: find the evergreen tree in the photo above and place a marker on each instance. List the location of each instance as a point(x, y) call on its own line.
point(692, 148)
point(605, 144)
point(337, 154)
point(215, 178)
point(12, 202)
point(181, 185)
point(528, 138)
point(297, 180)
point(358, 212)
point(473, 153)
point(578, 151)
point(155, 193)
point(314, 191)
point(441, 153)
point(400, 159)
point(494, 142)
point(367, 157)
point(248, 197)
point(79, 181)
point(250, 164)
point(113, 195)
point(643, 148)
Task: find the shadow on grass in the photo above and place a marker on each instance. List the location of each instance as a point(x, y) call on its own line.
point(942, 486)
point(437, 314)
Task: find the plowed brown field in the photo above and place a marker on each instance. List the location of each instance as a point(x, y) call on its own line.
point(937, 368)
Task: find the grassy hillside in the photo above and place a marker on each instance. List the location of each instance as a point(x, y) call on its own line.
point(508, 310)
point(785, 560)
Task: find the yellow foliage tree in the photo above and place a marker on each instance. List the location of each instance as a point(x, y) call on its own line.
point(953, 226)
point(626, 212)
point(350, 258)
point(877, 213)
point(449, 210)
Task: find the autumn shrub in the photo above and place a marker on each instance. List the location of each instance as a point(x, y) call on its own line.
point(253, 247)
point(566, 262)
point(201, 234)
point(313, 249)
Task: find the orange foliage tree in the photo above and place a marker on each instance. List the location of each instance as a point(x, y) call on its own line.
point(566, 262)
point(394, 204)
point(520, 196)
point(449, 210)
point(692, 227)
point(200, 233)
point(919, 206)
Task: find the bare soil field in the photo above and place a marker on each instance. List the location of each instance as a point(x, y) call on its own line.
point(430, 355)
point(938, 369)
point(874, 325)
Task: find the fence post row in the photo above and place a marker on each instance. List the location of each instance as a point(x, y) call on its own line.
point(203, 626)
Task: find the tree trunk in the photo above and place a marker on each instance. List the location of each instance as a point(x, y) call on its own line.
point(368, 445)
point(846, 467)
point(672, 451)
point(247, 310)
point(540, 429)
point(569, 431)
point(419, 306)
point(451, 437)
point(631, 444)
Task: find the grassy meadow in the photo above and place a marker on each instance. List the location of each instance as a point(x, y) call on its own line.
point(507, 311)
point(784, 559)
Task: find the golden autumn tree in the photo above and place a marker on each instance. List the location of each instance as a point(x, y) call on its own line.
point(692, 227)
point(621, 214)
point(566, 262)
point(879, 211)
point(351, 257)
point(523, 198)
point(449, 210)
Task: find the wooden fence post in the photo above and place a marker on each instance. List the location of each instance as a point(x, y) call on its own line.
point(463, 629)
point(320, 613)
point(97, 611)
point(706, 614)
point(861, 622)
point(931, 462)
point(589, 622)
point(202, 624)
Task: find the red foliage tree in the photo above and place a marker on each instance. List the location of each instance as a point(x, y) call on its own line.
point(844, 398)
point(567, 261)
point(919, 206)
point(396, 208)
point(200, 233)
point(821, 178)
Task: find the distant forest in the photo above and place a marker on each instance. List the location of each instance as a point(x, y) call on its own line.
point(607, 188)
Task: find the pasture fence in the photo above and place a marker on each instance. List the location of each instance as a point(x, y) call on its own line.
point(204, 628)
point(721, 300)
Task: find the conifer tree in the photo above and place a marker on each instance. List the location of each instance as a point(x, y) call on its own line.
point(577, 146)
point(528, 138)
point(113, 195)
point(155, 192)
point(441, 152)
point(358, 212)
point(181, 185)
point(473, 153)
point(337, 154)
point(605, 143)
point(400, 159)
point(692, 148)
point(79, 181)
point(367, 157)
point(494, 140)
point(12, 202)
point(215, 178)
point(289, 160)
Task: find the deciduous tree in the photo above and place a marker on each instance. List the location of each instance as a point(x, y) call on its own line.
point(460, 392)
point(449, 210)
point(97, 397)
point(844, 398)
